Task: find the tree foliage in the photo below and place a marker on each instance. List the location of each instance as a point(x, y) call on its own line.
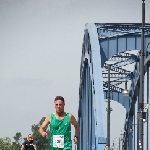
point(16, 145)
point(42, 143)
point(5, 143)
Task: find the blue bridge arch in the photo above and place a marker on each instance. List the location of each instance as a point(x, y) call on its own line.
point(120, 43)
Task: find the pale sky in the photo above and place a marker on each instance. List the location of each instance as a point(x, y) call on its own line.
point(40, 53)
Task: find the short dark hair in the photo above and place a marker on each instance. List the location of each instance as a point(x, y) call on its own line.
point(59, 98)
point(106, 145)
point(29, 134)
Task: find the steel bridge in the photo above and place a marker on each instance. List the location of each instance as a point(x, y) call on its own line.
point(120, 44)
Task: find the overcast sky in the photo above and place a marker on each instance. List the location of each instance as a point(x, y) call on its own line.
point(40, 53)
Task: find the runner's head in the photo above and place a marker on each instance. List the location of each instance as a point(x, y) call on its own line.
point(59, 104)
point(30, 137)
point(106, 147)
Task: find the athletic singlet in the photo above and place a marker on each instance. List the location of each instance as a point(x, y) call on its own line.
point(60, 133)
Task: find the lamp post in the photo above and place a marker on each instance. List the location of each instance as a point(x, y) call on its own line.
point(113, 146)
point(124, 92)
point(119, 142)
point(141, 100)
point(108, 107)
point(121, 139)
point(132, 130)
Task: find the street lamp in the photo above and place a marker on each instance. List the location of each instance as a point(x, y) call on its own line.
point(141, 99)
point(125, 92)
point(108, 108)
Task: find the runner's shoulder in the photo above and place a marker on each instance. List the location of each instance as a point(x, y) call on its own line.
point(48, 118)
point(25, 141)
point(70, 115)
point(34, 142)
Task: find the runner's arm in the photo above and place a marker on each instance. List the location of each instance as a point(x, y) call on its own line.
point(75, 124)
point(44, 126)
point(35, 147)
point(22, 147)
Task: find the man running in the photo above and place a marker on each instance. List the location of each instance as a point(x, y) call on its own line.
point(60, 127)
point(29, 144)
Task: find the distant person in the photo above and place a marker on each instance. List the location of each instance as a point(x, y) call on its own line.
point(60, 127)
point(29, 144)
point(106, 147)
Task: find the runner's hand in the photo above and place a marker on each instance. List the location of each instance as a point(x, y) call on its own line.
point(44, 134)
point(75, 140)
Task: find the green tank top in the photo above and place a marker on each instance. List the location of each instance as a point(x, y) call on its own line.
point(60, 128)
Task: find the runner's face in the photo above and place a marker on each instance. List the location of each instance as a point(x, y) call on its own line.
point(29, 137)
point(59, 106)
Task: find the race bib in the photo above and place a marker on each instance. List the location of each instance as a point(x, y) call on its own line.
point(58, 141)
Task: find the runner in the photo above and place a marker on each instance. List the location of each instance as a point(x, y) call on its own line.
point(60, 127)
point(29, 144)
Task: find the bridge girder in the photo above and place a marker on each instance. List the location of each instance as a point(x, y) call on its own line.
point(124, 41)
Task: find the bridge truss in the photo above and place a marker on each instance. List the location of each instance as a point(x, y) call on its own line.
point(119, 44)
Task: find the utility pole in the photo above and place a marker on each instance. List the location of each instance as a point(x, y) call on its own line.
point(108, 108)
point(119, 143)
point(141, 133)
